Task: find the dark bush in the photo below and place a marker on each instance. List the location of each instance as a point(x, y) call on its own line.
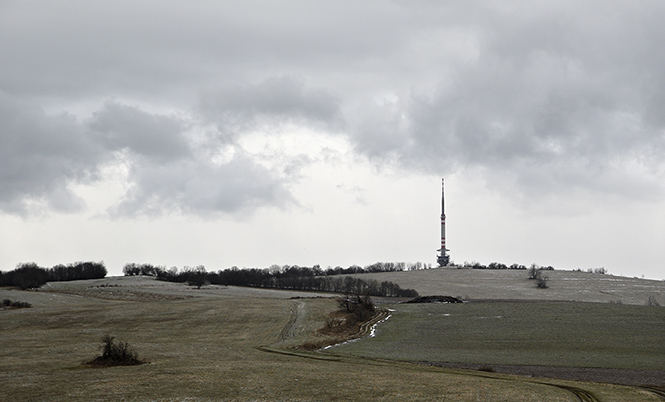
point(116, 354)
point(541, 281)
point(651, 301)
point(15, 304)
point(360, 307)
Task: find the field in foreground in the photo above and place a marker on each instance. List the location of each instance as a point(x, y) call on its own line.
point(558, 334)
point(221, 344)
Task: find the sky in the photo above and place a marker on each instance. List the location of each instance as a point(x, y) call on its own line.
point(253, 133)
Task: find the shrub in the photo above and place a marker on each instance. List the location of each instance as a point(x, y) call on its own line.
point(359, 308)
point(15, 304)
point(116, 354)
point(541, 281)
point(651, 301)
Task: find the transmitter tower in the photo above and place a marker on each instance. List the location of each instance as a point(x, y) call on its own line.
point(443, 258)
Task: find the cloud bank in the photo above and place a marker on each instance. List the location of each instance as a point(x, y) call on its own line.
point(540, 99)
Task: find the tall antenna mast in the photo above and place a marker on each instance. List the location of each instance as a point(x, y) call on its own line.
point(443, 258)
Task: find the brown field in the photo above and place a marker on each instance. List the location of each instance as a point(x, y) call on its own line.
point(223, 344)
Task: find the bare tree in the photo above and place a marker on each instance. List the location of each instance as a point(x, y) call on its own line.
point(533, 272)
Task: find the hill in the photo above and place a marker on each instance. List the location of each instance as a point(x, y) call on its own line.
point(492, 284)
point(235, 344)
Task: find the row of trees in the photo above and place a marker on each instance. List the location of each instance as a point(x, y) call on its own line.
point(30, 275)
point(379, 267)
point(287, 270)
point(291, 278)
point(498, 265)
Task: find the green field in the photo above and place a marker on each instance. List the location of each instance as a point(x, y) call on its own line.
point(550, 334)
point(224, 344)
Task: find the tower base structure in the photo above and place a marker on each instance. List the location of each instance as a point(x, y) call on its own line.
point(443, 259)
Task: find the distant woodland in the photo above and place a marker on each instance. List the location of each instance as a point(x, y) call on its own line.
point(291, 277)
point(285, 277)
point(30, 275)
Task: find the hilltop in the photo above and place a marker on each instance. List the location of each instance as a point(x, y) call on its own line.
point(508, 284)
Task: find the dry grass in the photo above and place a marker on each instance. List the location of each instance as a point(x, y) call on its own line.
point(208, 348)
point(513, 284)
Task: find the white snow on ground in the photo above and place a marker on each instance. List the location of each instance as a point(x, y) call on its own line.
point(372, 332)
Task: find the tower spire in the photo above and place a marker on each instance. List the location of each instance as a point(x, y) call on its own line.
point(443, 258)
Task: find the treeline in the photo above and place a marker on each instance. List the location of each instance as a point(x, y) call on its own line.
point(498, 265)
point(378, 267)
point(288, 278)
point(30, 275)
point(293, 270)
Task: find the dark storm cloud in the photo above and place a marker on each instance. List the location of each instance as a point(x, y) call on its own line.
point(126, 127)
point(274, 101)
point(42, 155)
point(76, 48)
point(39, 156)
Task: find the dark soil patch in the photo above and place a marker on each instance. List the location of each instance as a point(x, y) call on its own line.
point(435, 299)
point(106, 362)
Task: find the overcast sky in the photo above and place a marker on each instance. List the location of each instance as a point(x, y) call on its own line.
point(254, 133)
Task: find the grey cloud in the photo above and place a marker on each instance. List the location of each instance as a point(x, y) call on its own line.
point(202, 188)
point(538, 95)
point(157, 50)
point(158, 137)
point(548, 102)
point(39, 156)
point(273, 101)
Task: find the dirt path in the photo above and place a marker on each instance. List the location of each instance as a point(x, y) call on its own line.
point(581, 394)
point(658, 392)
point(295, 324)
point(366, 327)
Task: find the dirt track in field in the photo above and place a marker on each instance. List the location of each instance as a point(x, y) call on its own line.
point(653, 378)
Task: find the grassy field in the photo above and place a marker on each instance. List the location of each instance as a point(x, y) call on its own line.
point(220, 344)
point(550, 334)
point(513, 284)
